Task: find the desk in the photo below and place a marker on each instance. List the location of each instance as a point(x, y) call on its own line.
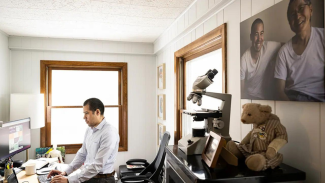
point(21, 176)
point(188, 169)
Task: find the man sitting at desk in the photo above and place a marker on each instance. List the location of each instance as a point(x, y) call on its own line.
point(98, 151)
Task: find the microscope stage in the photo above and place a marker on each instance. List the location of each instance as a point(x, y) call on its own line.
point(204, 114)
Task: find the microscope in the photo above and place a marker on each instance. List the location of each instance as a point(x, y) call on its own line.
point(215, 120)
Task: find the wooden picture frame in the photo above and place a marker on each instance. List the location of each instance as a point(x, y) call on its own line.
point(161, 129)
point(161, 106)
point(161, 76)
point(212, 149)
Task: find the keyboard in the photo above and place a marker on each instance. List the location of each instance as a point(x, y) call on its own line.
point(43, 178)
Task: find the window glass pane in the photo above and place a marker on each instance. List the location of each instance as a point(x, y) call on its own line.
point(73, 87)
point(112, 116)
point(198, 67)
point(63, 120)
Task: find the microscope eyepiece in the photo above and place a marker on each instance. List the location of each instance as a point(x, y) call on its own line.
point(211, 73)
point(215, 71)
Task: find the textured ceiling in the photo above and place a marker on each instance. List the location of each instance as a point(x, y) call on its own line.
point(117, 20)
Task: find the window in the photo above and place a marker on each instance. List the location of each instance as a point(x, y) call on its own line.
point(67, 85)
point(191, 61)
point(195, 68)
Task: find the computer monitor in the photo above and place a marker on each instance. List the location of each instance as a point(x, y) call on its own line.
point(15, 137)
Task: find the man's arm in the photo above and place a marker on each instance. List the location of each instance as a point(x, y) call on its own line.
point(281, 74)
point(243, 69)
point(108, 145)
point(242, 88)
point(74, 165)
point(79, 159)
point(280, 85)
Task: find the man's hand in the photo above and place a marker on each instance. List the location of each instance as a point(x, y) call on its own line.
point(59, 179)
point(280, 86)
point(55, 172)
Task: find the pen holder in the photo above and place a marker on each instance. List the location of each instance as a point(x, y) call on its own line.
point(7, 173)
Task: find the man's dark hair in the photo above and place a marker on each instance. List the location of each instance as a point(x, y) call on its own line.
point(308, 2)
point(94, 104)
point(256, 21)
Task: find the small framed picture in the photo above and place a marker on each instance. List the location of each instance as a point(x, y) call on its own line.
point(161, 129)
point(212, 149)
point(161, 70)
point(161, 106)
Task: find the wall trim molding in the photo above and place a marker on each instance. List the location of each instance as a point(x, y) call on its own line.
point(79, 46)
point(95, 52)
point(213, 11)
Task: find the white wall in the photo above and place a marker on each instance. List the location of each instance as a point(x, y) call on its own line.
point(305, 122)
point(26, 53)
point(4, 77)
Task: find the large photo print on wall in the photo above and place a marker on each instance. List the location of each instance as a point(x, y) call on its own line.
point(282, 52)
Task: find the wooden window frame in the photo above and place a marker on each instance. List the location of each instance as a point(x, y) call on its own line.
point(46, 76)
point(214, 40)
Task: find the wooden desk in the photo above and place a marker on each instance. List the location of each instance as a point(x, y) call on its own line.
point(21, 176)
point(189, 169)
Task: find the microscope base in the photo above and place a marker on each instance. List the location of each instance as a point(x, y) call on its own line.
point(196, 147)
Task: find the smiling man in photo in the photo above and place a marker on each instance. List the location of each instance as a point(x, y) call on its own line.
point(257, 65)
point(299, 70)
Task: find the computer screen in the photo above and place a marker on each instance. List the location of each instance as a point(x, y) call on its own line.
point(15, 137)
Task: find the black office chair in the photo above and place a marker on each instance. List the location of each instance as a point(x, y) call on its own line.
point(152, 172)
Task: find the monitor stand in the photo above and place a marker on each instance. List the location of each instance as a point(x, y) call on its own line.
point(27, 155)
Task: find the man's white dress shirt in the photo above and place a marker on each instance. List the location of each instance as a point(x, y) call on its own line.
point(98, 153)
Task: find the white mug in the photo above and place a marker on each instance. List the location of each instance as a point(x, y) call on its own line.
point(30, 169)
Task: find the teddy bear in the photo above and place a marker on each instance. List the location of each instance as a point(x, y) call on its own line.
point(261, 145)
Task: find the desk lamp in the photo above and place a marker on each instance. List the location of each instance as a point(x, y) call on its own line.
point(28, 105)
